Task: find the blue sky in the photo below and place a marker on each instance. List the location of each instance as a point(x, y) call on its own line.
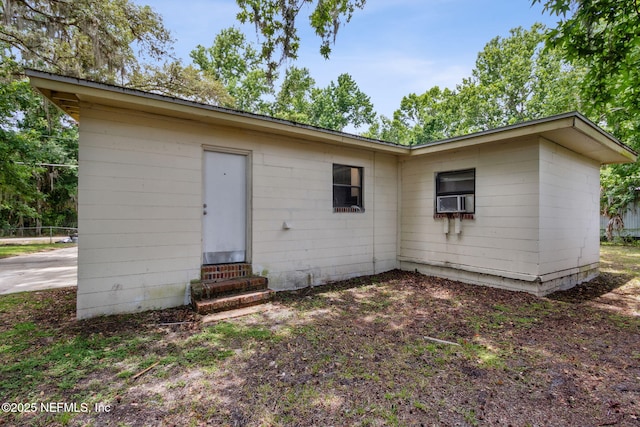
point(391, 47)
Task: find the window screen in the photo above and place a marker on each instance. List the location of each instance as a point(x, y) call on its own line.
point(347, 188)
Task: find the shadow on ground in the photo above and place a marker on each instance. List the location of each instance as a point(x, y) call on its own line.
point(593, 289)
point(359, 352)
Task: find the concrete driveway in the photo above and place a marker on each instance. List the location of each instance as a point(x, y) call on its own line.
point(44, 270)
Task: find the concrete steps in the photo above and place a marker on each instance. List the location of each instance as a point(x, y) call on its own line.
point(228, 287)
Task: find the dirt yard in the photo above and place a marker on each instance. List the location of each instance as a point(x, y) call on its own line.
point(393, 349)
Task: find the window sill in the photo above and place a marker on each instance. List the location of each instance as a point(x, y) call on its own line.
point(454, 215)
point(353, 209)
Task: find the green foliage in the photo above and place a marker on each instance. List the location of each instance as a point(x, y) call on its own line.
point(293, 101)
point(335, 107)
point(339, 105)
point(605, 34)
point(229, 59)
point(276, 21)
point(514, 80)
point(420, 118)
point(175, 79)
point(233, 62)
point(95, 39)
point(102, 40)
point(618, 184)
point(236, 64)
point(520, 81)
point(34, 134)
point(83, 38)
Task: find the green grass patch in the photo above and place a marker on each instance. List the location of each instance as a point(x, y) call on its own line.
point(226, 332)
point(10, 302)
point(624, 259)
point(10, 250)
point(20, 338)
point(28, 301)
point(62, 363)
point(485, 357)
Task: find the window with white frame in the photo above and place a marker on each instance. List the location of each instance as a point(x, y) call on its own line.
point(347, 188)
point(455, 191)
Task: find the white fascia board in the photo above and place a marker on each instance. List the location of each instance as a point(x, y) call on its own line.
point(98, 93)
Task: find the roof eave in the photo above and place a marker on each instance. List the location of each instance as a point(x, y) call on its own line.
point(571, 130)
point(520, 130)
point(586, 127)
point(565, 130)
point(69, 93)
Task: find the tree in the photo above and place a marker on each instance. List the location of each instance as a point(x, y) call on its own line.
point(341, 104)
point(174, 79)
point(514, 80)
point(605, 34)
point(293, 101)
point(334, 107)
point(518, 80)
point(101, 40)
point(82, 38)
point(618, 185)
point(34, 138)
point(234, 62)
point(277, 20)
point(420, 118)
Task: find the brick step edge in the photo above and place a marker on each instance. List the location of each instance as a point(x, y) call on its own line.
point(208, 290)
point(246, 299)
point(219, 272)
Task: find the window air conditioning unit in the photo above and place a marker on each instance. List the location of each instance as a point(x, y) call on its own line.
point(451, 204)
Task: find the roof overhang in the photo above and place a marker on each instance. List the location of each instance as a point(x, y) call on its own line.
point(69, 93)
point(571, 130)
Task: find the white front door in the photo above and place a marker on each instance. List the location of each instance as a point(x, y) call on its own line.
point(224, 208)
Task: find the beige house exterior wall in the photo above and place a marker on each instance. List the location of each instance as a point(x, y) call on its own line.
point(293, 182)
point(140, 209)
point(500, 245)
point(569, 216)
point(536, 221)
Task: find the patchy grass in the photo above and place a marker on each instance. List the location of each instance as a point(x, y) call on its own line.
point(351, 353)
point(621, 259)
point(9, 250)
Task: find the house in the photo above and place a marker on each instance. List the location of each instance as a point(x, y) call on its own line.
point(630, 219)
point(167, 186)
